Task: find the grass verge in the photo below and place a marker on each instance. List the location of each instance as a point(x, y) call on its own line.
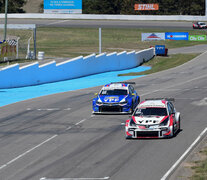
point(73, 42)
point(200, 168)
point(160, 63)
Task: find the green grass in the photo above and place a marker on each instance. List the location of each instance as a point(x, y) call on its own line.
point(160, 63)
point(200, 168)
point(72, 42)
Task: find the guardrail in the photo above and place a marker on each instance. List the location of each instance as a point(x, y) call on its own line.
point(106, 17)
point(34, 74)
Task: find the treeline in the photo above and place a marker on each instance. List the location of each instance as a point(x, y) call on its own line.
point(166, 7)
point(14, 6)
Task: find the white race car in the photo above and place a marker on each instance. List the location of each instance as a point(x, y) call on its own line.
point(153, 118)
point(199, 25)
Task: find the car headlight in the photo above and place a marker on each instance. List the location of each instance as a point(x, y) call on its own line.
point(132, 123)
point(98, 101)
point(123, 101)
point(165, 122)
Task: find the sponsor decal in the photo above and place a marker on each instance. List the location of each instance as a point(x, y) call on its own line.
point(197, 37)
point(146, 7)
point(177, 35)
point(111, 99)
point(153, 36)
point(159, 50)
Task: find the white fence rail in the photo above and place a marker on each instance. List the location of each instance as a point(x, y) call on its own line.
point(106, 17)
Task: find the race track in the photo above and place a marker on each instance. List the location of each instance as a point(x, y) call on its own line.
point(57, 137)
point(104, 23)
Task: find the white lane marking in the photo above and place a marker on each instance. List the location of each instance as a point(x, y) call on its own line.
point(32, 149)
point(25, 153)
point(69, 128)
point(68, 109)
point(57, 22)
point(184, 155)
point(44, 178)
point(80, 122)
point(49, 109)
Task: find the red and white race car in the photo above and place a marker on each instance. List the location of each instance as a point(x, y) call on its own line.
point(153, 118)
point(199, 25)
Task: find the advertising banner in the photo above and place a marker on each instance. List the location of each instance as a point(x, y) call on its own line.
point(197, 37)
point(160, 49)
point(153, 36)
point(177, 35)
point(146, 7)
point(63, 6)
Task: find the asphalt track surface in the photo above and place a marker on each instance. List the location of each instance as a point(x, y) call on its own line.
point(57, 136)
point(103, 23)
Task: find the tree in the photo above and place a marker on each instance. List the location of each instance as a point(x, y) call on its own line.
point(166, 7)
point(101, 6)
point(14, 6)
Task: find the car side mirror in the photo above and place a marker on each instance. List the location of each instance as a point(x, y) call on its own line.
point(133, 94)
point(96, 94)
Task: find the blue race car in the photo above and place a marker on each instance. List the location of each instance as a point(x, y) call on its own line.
point(119, 97)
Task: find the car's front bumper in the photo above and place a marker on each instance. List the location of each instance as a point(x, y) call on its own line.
point(148, 133)
point(112, 108)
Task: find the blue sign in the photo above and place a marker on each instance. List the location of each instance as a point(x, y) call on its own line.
point(159, 49)
point(63, 6)
point(177, 35)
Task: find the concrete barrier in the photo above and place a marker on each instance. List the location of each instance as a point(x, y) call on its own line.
point(13, 76)
point(106, 17)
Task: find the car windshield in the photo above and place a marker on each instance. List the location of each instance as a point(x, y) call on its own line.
point(202, 23)
point(151, 112)
point(114, 92)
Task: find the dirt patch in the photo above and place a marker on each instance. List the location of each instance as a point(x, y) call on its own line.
point(32, 6)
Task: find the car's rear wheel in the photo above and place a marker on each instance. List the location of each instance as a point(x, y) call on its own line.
point(173, 131)
point(179, 126)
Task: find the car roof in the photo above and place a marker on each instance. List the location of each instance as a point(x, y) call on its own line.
point(116, 86)
point(153, 103)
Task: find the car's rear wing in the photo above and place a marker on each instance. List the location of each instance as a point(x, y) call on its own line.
point(123, 82)
point(167, 99)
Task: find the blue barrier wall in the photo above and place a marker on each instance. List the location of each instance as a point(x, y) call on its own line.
point(33, 74)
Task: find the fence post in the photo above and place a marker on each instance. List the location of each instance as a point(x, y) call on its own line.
point(99, 40)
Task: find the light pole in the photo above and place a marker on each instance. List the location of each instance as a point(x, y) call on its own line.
point(100, 40)
point(5, 23)
point(206, 8)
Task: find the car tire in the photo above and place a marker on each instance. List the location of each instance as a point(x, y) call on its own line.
point(179, 125)
point(173, 131)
